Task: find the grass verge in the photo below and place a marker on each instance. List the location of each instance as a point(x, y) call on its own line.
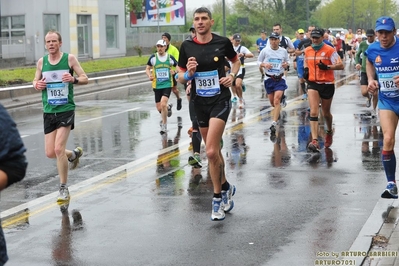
point(26, 74)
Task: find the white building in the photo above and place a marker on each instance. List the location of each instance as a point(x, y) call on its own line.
point(89, 28)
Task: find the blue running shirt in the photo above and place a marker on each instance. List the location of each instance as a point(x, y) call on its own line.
point(386, 63)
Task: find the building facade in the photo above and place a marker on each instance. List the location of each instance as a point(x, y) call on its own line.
point(90, 29)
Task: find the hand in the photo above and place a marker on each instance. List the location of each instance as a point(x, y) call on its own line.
point(226, 81)
point(358, 66)
point(322, 66)
point(40, 84)
point(191, 66)
point(67, 77)
point(372, 86)
point(306, 73)
point(396, 80)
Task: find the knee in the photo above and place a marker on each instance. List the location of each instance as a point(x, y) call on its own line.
point(276, 101)
point(50, 154)
point(389, 141)
point(163, 105)
point(212, 153)
point(59, 151)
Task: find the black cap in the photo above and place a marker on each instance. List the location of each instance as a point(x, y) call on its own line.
point(167, 35)
point(370, 32)
point(237, 37)
point(274, 35)
point(192, 28)
point(317, 33)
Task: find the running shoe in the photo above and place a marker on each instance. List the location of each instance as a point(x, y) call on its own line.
point(391, 192)
point(63, 194)
point(283, 101)
point(228, 203)
point(234, 99)
point(170, 109)
point(368, 101)
point(329, 156)
point(64, 205)
point(178, 107)
point(163, 129)
point(75, 162)
point(314, 146)
point(329, 138)
point(217, 210)
point(195, 160)
point(272, 129)
point(273, 137)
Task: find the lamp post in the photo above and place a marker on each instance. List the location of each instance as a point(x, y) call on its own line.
point(307, 13)
point(224, 17)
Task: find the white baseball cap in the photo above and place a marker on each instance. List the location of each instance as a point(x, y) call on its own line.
point(161, 42)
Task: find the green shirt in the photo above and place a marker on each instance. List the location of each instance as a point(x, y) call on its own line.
point(173, 51)
point(58, 96)
point(362, 48)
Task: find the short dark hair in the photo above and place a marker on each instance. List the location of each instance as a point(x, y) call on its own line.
point(56, 32)
point(277, 24)
point(203, 10)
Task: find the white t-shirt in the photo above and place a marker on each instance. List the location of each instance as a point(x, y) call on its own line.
point(243, 50)
point(276, 58)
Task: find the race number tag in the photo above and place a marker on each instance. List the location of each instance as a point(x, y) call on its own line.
point(387, 85)
point(276, 66)
point(57, 93)
point(162, 74)
point(207, 83)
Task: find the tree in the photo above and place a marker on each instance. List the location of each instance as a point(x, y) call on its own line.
point(354, 14)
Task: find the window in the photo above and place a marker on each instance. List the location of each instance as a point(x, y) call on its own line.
point(51, 22)
point(111, 31)
point(13, 29)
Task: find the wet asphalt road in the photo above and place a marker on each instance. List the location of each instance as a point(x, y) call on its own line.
point(126, 209)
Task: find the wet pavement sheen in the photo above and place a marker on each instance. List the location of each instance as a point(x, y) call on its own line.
point(136, 201)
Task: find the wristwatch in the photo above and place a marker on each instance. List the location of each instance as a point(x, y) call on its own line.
point(233, 75)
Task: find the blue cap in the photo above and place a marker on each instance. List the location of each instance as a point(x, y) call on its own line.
point(384, 23)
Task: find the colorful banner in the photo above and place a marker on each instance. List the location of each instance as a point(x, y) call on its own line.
point(158, 13)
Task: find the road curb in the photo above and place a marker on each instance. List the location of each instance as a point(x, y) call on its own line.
point(362, 244)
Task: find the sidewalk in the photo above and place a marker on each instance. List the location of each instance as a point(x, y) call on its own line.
point(384, 248)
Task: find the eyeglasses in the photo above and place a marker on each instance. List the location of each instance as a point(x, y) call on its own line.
point(313, 37)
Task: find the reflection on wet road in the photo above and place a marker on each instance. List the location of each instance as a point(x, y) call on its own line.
point(136, 201)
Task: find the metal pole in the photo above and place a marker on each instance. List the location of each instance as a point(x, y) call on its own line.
point(1, 38)
point(384, 9)
point(158, 15)
point(224, 17)
point(307, 13)
point(353, 12)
